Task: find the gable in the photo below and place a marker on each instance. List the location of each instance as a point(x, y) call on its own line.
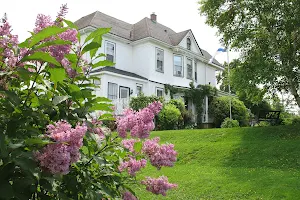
point(194, 45)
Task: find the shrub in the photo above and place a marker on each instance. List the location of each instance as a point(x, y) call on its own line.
point(229, 123)
point(263, 124)
point(51, 144)
point(296, 121)
point(168, 117)
point(186, 115)
point(219, 108)
point(142, 101)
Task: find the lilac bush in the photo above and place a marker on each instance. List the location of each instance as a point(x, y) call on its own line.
point(51, 146)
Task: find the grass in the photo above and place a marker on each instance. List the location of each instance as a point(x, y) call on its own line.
point(240, 163)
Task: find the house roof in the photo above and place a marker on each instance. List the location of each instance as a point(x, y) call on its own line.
point(118, 71)
point(142, 29)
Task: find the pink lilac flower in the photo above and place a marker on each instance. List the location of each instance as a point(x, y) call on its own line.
point(129, 144)
point(42, 21)
point(61, 14)
point(159, 185)
point(58, 51)
point(139, 123)
point(128, 196)
point(159, 156)
point(132, 165)
point(57, 157)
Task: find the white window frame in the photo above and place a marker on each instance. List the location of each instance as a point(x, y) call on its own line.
point(105, 49)
point(187, 68)
point(187, 44)
point(126, 88)
point(175, 73)
point(141, 86)
point(159, 89)
point(112, 95)
point(156, 59)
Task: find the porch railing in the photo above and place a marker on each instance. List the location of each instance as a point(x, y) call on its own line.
point(120, 105)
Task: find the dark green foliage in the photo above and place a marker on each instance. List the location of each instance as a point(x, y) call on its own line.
point(267, 34)
point(142, 101)
point(296, 121)
point(263, 124)
point(229, 123)
point(219, 108)
point(186, 115)
point(168, 117)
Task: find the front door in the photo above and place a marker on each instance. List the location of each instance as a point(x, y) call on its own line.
point(124, 92)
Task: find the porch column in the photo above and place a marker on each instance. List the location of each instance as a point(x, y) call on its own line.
point(206, 109)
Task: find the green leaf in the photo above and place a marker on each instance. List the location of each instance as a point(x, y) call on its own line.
point(26, 163)
point(70, 24)
point(45, 33)
point(3, 147)
point(13, 98)
point(101, 106)
point(90, 46)
point(137, 147)
point(59, 99)
point(74, 88)
point(53, 43)
point(16, 145)
point(98, 32)
point(36, 141)
point(85, 150)
point(101, 99)
point(35, 101)
point(6, 190)
point(57, 74)
point(41, 56)
point(98, 40)
point(71, 57)
point(24, 73)
point(103, 63)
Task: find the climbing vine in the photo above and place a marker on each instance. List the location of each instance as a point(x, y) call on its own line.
point(196, 94)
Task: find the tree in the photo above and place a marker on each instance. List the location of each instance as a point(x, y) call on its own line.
point(219, 109)
point(253, 97)
point(267, 35)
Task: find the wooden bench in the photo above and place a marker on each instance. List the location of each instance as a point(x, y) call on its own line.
point(270, 116)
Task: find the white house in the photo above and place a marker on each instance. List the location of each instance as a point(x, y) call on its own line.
point(148, 55)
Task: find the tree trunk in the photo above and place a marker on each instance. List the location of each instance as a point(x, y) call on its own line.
point(294, 92)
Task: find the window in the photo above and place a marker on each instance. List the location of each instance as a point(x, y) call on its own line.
point(188, 43)
point(110, 50)
point(139, 89)
point(195, 70)
point(112, 92)
point(178, 66)
point(189, 67)
point(159, 60)
point(124, 92)
point(159, 92)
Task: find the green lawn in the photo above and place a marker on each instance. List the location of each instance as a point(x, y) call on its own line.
point(240, 163)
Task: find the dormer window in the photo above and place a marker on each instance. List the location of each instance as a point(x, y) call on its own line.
point(110, 50)
point(188, 43)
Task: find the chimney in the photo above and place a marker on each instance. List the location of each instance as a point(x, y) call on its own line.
point(153, 17)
